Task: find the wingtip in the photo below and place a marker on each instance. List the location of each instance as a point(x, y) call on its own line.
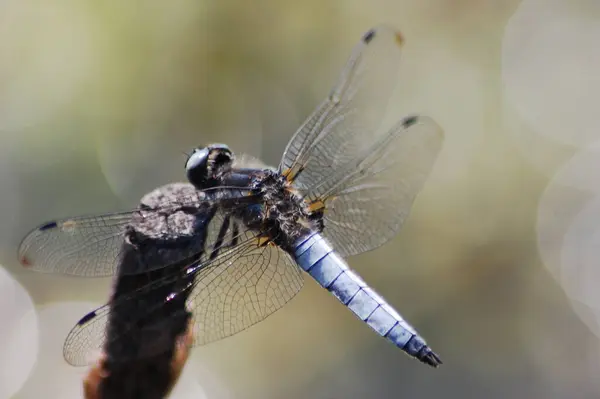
point(373, 32)
point(410, 120)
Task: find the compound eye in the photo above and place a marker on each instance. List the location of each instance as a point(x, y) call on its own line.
point(196, 165)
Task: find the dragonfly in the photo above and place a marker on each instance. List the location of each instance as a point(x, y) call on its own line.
point(233, 245)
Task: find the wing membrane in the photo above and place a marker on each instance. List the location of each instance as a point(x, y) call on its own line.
point(365, 178)
point(92, 246)
point(366, 204)
point(347, 121)
point(228, 299)
point(226, 294)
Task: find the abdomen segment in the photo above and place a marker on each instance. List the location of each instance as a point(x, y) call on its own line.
point(314, 254)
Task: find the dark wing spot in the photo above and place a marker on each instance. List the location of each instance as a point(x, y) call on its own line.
point(369, 36)
point(409, 121)
point(25, 261)
point(86, 318)
point(48, 226)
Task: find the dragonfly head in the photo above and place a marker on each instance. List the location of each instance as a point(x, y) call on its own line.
point(205, 165)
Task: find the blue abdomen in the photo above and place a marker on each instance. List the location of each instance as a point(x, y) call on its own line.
point(316, 256)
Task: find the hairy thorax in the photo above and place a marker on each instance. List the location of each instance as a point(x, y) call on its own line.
point(286, 216)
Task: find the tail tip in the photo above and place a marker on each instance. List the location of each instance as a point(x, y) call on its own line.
point(429, 357)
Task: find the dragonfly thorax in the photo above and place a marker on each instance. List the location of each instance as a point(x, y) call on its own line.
point(286, 215)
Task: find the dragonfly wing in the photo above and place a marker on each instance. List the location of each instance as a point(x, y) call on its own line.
point(232, 286)
point(86, 339)
point(347, 122)
point(365, 178)
point(82, 246)
point(170, 220)
point(365, 205)
point(236, 293)
point(140, 324)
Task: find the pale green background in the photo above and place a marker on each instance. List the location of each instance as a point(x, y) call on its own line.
point(99, 99)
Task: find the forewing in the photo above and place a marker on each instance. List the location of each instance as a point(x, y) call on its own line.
point(82, 246)
point(366, 204)
point(347, 122)
point(92, 246)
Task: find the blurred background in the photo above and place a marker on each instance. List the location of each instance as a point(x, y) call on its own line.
point(497, 266)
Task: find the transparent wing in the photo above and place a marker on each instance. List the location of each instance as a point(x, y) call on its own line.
point(92, 246)
point(143, 322)
point(347, 122)
point(363, 178)
point(229, 298)
point(86, 339)
point(81, 246)
point(366, 203)
point(226, 294)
